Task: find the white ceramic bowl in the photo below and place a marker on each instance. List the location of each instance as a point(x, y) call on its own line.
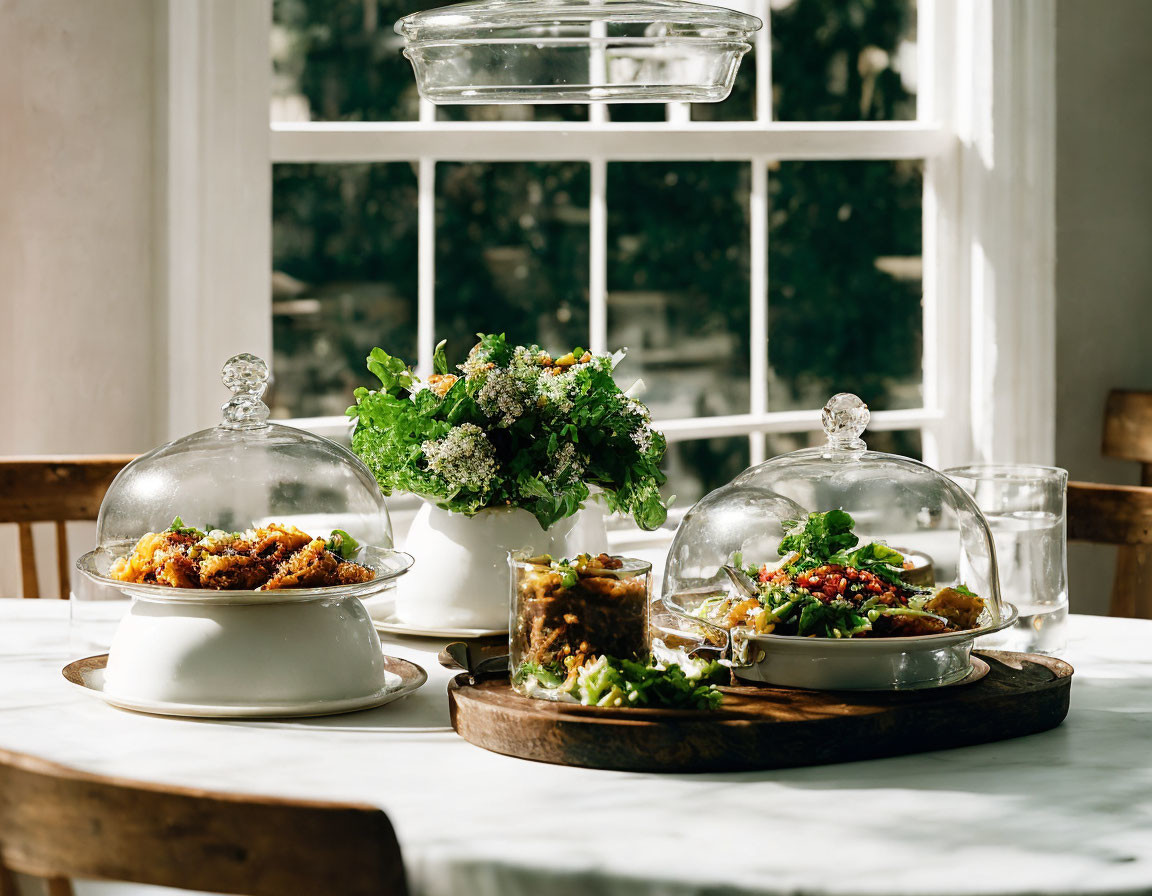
point(264, 648)
point(861, 664)
point(259, 654)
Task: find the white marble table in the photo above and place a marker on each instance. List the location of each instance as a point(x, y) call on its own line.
point(1067, 811)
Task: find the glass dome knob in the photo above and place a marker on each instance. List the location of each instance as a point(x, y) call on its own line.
point(844, 418)
point(247, 377)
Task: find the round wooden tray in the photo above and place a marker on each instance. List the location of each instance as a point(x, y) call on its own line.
point(766, 727)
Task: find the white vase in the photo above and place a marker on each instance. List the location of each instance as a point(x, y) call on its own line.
point(460, 578)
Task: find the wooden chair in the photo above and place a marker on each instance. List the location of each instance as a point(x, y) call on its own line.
point(58, 822)
point(52, 489)
point(1117, 514)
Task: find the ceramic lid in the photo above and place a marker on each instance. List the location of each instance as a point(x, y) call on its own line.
point(246, 472)
point(892, 499)
point(494, 18)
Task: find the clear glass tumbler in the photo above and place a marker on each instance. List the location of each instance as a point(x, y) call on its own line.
point(1025, 508)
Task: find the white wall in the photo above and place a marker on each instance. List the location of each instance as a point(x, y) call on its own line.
point(1103, 243)
point(76, 232)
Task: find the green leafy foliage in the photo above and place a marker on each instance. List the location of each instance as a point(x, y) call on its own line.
point(825, 538)
point(820, 536)
point(516, 429)
point(608, 681)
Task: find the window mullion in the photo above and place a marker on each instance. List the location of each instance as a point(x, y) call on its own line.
point(758, 337)
point(598, 256)
point(426, 266)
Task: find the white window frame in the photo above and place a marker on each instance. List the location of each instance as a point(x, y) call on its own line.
point(985, 129)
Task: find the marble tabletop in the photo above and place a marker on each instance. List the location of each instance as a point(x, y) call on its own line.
point(1066, 811)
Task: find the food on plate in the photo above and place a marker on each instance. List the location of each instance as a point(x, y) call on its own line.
point(265, 558)
point(580, 635)
point(826, 586)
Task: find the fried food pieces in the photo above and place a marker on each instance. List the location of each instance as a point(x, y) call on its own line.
point(271, 557)
point(961, 608)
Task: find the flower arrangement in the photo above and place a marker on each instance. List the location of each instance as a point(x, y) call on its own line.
point(514, 428)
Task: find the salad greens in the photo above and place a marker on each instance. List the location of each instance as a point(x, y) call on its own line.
point(825, 539)
point(515, 428)
point(607, 681)
point(828, 587)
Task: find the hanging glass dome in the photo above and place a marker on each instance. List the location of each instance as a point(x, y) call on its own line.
point(840, 548)
point(246, 472)
point(563, 51)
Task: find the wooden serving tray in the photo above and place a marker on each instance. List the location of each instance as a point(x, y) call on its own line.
point(766, 727)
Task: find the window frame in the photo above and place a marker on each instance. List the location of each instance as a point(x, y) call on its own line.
point(985, 130)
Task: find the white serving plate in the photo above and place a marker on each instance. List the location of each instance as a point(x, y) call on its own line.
point(386, 621)
point(864, 664)
point(401, 679)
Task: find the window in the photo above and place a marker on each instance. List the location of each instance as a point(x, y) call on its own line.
point(843, 222)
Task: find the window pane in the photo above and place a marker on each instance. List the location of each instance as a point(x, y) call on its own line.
point(845, 309)
point(512, 253)
point(344, 279)
point(513, 112)
point(843, 60)
point(340, 60)
point(905, 442)
point(908, 442)
point(678, 288)
point(697, 467)
point(637, 112)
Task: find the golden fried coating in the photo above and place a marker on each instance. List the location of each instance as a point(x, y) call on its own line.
point(312, 566)
point(352, 574)
point(233, 571)
point(962, 610)
point(270, 557)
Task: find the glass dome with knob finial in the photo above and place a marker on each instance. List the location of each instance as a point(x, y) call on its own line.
point(893, 500)
point(246, 472)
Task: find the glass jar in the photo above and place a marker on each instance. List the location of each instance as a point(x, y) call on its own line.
point(566, 613)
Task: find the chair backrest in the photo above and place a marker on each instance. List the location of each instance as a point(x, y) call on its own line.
point(58, 822)
point(1110, 514)
point(1128, 429)
point(52, 489)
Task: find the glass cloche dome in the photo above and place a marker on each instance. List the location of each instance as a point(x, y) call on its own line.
point(246, 472)
point(893, 500)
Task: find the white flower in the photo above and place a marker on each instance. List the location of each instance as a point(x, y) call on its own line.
point(566, 464)
point(556, 392)
point(464, 457)
point(506, 395)
point(475, 364)
point(643, 438)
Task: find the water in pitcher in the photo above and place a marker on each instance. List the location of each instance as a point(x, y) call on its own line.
point(1033, 577)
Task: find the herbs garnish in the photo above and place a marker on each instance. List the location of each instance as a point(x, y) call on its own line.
point(180, 529)
point(342, 544)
